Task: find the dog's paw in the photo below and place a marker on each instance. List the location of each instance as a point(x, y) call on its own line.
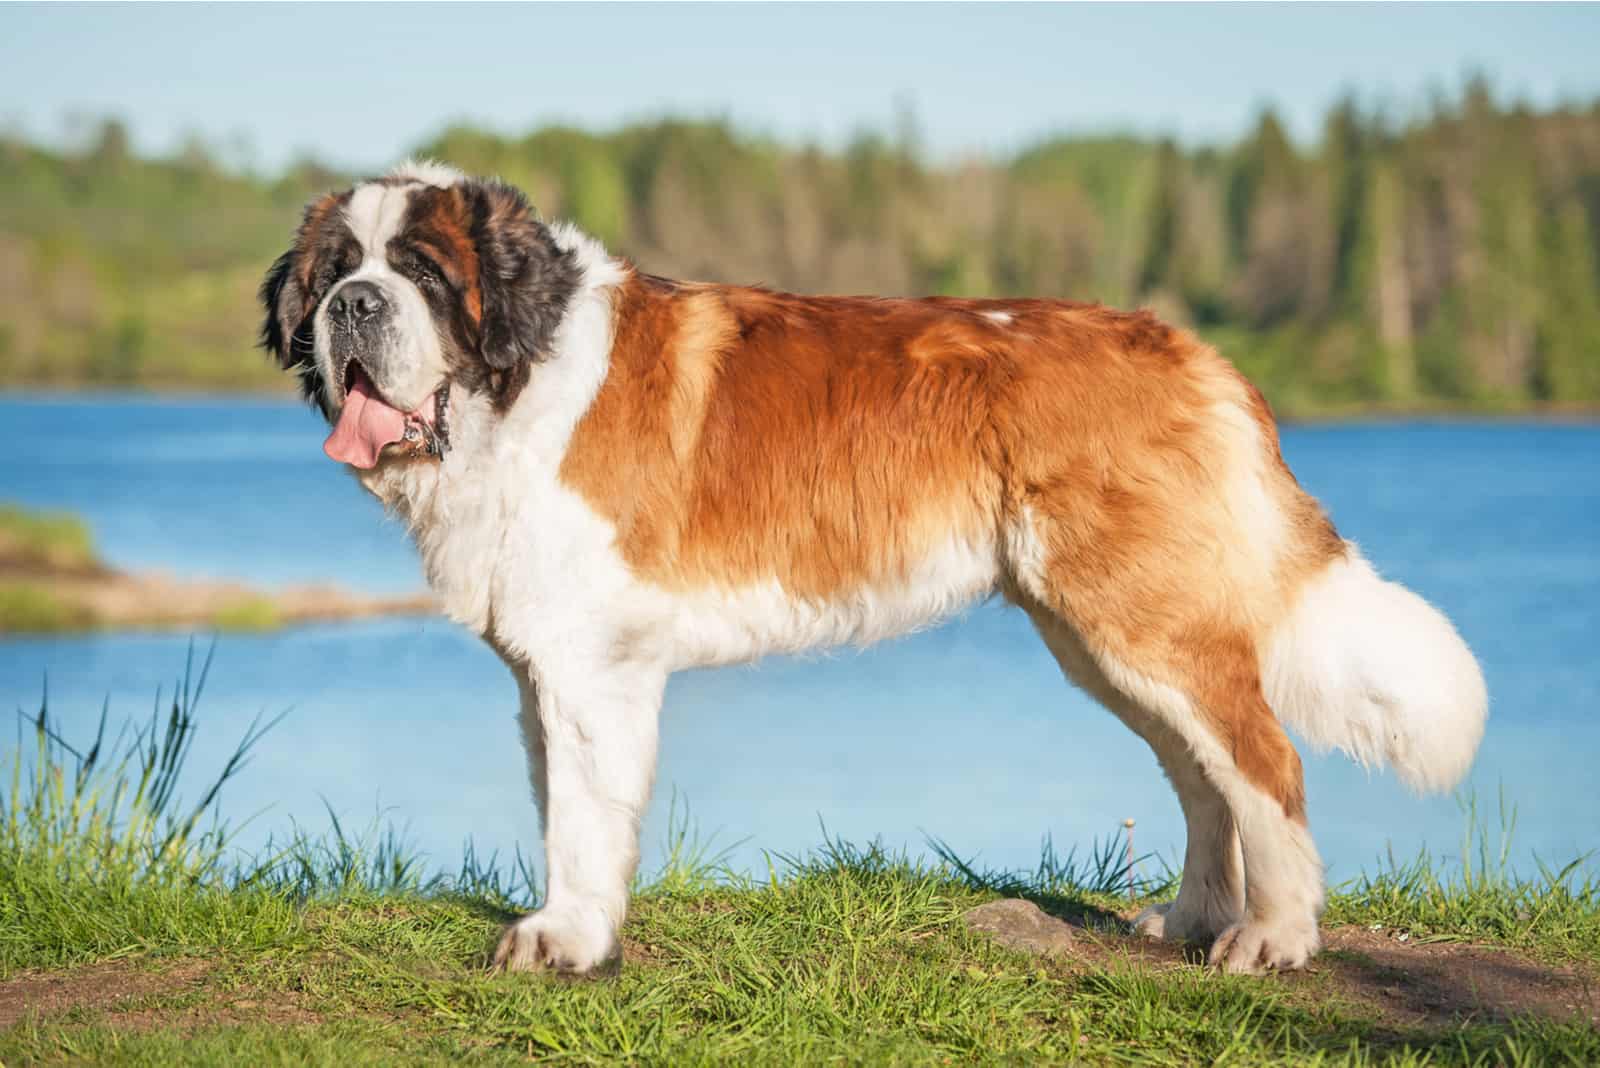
point(1250, 948)
point(574, 944)
point(1172, 922)
point(1152, 922)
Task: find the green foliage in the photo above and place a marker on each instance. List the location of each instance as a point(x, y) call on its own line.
point(32, 541)
point(28, 608)
point(45, 539)
point(248, 613)
point(1455, 260)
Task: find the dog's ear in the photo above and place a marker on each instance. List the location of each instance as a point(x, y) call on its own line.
point(284, 300)
point(527, 281)
point(287, 301)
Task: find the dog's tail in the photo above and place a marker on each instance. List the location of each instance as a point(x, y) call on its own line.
point(1368, 667)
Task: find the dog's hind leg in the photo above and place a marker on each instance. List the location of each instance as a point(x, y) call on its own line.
point(1211, 895)
point(1243, 750)
point(1240, 783)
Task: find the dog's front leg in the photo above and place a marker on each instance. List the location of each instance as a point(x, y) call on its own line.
point(591, 735)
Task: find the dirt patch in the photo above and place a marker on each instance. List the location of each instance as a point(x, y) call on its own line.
point(1421, 984)
point(1100, 944)
point(140, 998)
point(1404, 983)
point(94, 986)
point(274, 1008)
point(635, 953)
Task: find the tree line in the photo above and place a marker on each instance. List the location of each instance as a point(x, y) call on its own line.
point(1450, 260)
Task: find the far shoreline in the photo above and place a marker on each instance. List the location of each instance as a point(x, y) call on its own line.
point(53, 582)
point(46, 602)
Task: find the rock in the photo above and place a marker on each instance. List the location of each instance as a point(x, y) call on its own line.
point(1019, 924)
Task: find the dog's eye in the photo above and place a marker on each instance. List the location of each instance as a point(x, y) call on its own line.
point(423, 272)
point(426, 274)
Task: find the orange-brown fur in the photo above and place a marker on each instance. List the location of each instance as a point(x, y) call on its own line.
point(440, 230)
point(742, 436)
point(831, 443)
point(311, 229)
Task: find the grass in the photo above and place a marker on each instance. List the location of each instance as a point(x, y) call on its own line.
point(339, 948)
point(1556, 914)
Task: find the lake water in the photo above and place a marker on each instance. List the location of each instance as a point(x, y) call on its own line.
point(966, 732)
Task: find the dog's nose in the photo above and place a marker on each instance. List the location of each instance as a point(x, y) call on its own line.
point(356, 302)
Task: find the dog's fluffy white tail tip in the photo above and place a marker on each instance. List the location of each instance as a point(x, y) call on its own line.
point(1368, 667)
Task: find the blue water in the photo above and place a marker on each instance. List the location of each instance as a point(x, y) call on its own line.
point(966, 732)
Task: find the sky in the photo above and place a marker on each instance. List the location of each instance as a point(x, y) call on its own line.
point(357, 86)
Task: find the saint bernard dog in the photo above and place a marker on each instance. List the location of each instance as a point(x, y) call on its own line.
point(612, 476)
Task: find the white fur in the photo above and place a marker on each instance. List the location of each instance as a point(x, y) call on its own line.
point(1369, 667)
point(730, 626)
point(1001, 317)
point(1242, 488)
point(1025, 551)
point(427, 172)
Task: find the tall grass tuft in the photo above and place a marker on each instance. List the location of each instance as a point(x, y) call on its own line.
point(378, 861)
point(113, 811)
point(690, 863)
point(308, 867)
point(1103, 871)
point(1480, 897)
point(96, 845)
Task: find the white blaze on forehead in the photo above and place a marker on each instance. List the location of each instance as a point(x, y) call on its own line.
point(1001, 317)
point(374, 215)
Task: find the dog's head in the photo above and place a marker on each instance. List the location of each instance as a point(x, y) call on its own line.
point(404, 288)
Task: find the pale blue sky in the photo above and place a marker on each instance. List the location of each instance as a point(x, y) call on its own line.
point(358, 85)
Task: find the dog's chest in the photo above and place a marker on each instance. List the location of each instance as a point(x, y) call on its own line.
point(517, 557)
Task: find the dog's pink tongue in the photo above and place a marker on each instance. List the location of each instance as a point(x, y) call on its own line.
point(366, 425)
